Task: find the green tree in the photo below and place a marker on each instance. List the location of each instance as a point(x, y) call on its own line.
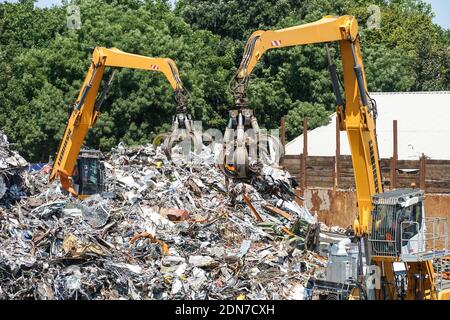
point(315, 113)
point(395, 55)
point(43, 63)
point(141, 102)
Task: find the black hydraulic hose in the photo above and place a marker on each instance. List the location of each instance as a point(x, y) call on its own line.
point(359, 270)
point(105, 91)
point(362, 290)
point(86, 90)
point(248, 51)
point(83, 96)
point(334, 78)
point(359, 77)
point(181, 93)
point(175, 74)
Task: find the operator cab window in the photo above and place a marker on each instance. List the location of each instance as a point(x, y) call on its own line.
point(88, 176)
point(411, 221)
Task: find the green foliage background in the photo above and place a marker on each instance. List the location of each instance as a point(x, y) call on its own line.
point(43, 63)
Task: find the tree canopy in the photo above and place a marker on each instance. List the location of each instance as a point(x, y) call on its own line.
point(43, 63)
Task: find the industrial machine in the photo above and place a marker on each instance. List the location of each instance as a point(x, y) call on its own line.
point(89, 173)
point(82, 176)
point(390, 227)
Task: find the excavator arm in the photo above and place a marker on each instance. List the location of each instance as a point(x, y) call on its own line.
point(382, 216)
point(86, 108)
point(327, 29)
point(355, 113)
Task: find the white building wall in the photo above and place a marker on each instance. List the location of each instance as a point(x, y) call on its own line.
point(423, 127)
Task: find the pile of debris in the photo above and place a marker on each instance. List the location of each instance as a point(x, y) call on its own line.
point(171, 231)
point(12, 167)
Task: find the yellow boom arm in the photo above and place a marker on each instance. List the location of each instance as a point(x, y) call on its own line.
point(85, 111)
point(354, 114)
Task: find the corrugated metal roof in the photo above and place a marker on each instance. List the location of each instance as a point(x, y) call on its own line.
point(423, 127)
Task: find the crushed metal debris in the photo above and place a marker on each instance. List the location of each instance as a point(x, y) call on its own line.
point(170, 232)
point(12, 166)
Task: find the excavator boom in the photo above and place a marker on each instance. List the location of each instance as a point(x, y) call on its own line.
point(355, 115)
point(386, 229)
point(327, 29)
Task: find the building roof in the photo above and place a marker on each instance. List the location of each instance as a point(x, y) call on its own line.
point(423, 122)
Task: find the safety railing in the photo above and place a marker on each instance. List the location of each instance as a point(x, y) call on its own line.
point(442, 272)
point(429, 244)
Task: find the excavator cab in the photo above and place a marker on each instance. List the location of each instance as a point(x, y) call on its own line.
point(397, 223)
point(89, 177)
point(399, 232)
point(389, 227)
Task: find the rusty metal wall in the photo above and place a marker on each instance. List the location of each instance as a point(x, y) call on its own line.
point(338, 208)
point(433, 176)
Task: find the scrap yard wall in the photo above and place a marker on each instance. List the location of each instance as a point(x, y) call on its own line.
point(328, 185)
point(433, 176)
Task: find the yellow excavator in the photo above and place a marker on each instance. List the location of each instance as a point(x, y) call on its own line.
point(82, 174)
point(390, 228)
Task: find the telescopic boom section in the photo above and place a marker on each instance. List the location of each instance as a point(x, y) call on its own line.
point(355, 115)
point(85, 111)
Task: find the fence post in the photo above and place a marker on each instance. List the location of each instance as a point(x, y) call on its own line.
point(392, 173)
point(283, 133)
point(300, 174)
point(422, 185)
point(337, 156)
point(394, 158)
point(305, 153)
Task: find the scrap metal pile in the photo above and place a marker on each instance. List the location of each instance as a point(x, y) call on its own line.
point(166, 231)
point(12, 166)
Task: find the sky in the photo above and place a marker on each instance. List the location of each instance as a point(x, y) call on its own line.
point(440, 7)
point(442, 10)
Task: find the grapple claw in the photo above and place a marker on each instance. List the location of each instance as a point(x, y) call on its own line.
point(246, 147)
point(182, 134)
